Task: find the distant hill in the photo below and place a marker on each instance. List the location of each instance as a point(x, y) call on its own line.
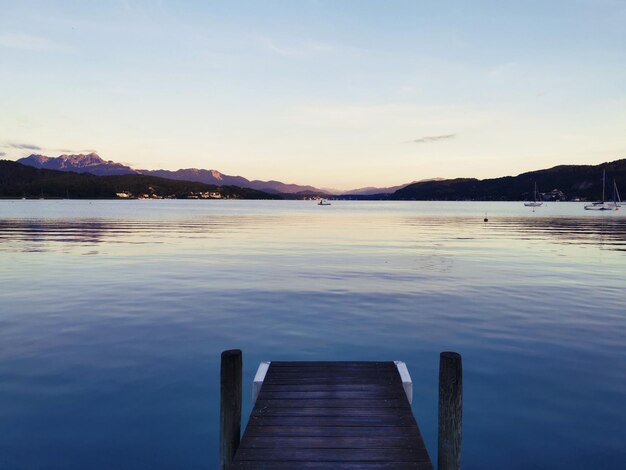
point(575, 181)
point(215, 177)
point(201, 176)
point(373, 191)
point(278, 187)
point(17, 180)
point(94, 164)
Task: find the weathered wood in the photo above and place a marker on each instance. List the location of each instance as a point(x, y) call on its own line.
point(337, 402)
point(395, 420)
point(333, 455)
point(450, 411)
point(315, 431)
point(349, 394)
point(335, 415)
point(318, 411)
point(230, 406)
point(338, 364)
point(355, 465)
point(329, 442)
point(320, 387)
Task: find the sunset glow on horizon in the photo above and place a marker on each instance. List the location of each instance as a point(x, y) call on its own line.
point(332, 94)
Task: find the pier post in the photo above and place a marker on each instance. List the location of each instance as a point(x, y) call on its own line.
point(450, 411)
point(230, 406)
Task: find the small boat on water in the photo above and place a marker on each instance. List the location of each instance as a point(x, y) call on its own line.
point(323, 202)
point(616, 199)
point(536, 202)
point(604, 205)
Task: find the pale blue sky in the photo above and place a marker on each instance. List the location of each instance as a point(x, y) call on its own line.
point(331, 93)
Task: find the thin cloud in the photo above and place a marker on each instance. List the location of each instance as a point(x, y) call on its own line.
point(28, 42)
point(432, 138)
point(74, 152)
point(301, 49)
point(24, 146)
point(306, 48)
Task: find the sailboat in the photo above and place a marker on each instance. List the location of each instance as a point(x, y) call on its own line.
point(604, 205)
point(617, 202)
point(536, 202)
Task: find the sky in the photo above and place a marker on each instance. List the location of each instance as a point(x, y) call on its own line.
point(336, 94)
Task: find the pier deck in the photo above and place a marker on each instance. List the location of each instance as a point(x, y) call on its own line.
point(332, 415)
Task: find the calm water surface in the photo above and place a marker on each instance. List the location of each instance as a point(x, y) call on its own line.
point(113, 315)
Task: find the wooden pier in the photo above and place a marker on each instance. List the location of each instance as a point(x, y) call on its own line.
point(326, 415)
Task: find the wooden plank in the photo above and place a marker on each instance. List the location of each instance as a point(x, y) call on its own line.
point(338, 373)
point(387, 377)
point(335, 371)
point(332, 415)
point(337, 431)
point(393, 420)
point(329, 394)
point(333, 455)
point(347, 377)
point(330, 364)
point(390, 376)
point(354, 465)
point(337, 402)
point(329, 381)
point(331, 442)
point(332, 381)
point(358, 368)
point(321, 387)
point(307, 411)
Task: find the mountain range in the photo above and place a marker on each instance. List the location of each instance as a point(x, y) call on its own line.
point(18, 180)
point(81, 163)
point(94, 164)
point(564, 182)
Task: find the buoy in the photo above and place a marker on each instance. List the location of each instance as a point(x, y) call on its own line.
point(486, 219)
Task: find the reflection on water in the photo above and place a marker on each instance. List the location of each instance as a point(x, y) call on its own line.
point(41, 235)
point(17, 233)
point(114, 313)
point(37, 234)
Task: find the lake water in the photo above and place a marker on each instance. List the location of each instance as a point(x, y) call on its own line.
point(113, 315)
